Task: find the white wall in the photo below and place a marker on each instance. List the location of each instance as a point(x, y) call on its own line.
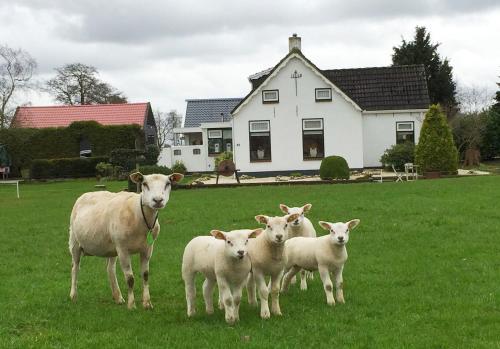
point(343, 132)
point(194, 163)
point(379, 133)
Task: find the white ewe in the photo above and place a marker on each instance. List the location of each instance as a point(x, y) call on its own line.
point(325, 254)
point(115, 225)
point(222, 259)
point(266, 254)
point(302, 226)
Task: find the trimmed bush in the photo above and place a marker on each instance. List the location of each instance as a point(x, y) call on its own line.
point(436, 150)
point(398, 155)
point(334, 167)
point(151, 154)
point(65, 168)
point(179, 167)
point(127, 158)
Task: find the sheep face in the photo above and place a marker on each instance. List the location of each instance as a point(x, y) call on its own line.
point(339, 232)
point(301, 211)
point(276, 227)
point(155, 188)
point(236, 241)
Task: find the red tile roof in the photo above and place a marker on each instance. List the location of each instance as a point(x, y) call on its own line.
point(62, 116)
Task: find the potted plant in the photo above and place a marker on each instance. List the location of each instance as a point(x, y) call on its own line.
point(260, 153)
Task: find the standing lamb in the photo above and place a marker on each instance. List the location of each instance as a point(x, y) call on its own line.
point(302, 226)
point(325, 254)
point(115, 225)
point(222, 258)
point(266, 254)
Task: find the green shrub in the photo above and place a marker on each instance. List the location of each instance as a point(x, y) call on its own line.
point(227, 155)
point(179, 167)
point(436, 150)
point(398, 155)
point(104, 169)
point(295, 174)
point(127, 158)
point(65, 168)
point(151, 154)
point(334, 167)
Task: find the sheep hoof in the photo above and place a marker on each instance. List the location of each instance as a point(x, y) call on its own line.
point(221, 306)
point(303, 287)
point(265, 314)
point(277, 312)
point(230, 320)
point(147, 305)
point(209, 311)
point(341, 300)
point(331, 303)
point(131, 306)
point(191, 313)
point(120, 300)
point(73, 297)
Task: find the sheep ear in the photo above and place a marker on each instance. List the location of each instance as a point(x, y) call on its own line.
point(255, 233)
point(176, 177)
point(262, 219)
point(325, 225)
point(284, 208)
point(137, 177)
point(306, 207)
point(292, 217)
point(218, 234)
point(353, 223)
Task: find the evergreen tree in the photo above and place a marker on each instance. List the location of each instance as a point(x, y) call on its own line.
point(439, 73)
point(491, 139)
point(436, 150)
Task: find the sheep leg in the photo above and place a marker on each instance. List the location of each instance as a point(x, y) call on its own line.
point(327, 285)
point(339, 283)
point(227, 298)
point(190, 292)
point(115, 289)
point(310, 275)
point(76, 253)
point(252, 295)
point(288, 276)
point(263, 294)
point(237, 292)
point(294, 280)
point(275, 293)
point(208, 290)
point(124, 257)
point(303, 280)
point(221, 303)
point(146, 297)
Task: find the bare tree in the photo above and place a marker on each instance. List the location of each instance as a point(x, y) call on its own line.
point(165, 124)
point(16, 70)
point(78, 84)
point(474, 99)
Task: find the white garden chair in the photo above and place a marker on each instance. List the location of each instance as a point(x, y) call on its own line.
point(399, 175)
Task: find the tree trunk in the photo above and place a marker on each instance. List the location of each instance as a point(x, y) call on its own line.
point(472, 157)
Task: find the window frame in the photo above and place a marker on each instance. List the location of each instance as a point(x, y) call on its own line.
point(322, 99)
point(304, 158)
point(177, 151)
point(277, 100)
point(196, 151)
point(406, 131)
point(221, 130)
point(250, 139)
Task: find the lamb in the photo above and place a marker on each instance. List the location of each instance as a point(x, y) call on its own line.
point(302, 226)
point(266, 254)
point(222, 258)
point(117, 225)
point(325, 254)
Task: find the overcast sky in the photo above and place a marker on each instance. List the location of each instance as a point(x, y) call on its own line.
point(167, 51)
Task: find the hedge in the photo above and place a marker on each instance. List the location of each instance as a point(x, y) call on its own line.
point(334, 167)
point(27, 144)
point(65, 168)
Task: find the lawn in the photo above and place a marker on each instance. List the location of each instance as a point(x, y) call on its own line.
point(423, 270)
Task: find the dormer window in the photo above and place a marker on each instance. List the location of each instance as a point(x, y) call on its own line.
point(323, 94)
point(270, 96)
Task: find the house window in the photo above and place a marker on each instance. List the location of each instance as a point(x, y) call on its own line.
point(219, 140)
point(405, 132)
point(270, 96)
point(196, 151)
point(313, 144)
point(177, 152)
point(323, 94)
point(260, 140)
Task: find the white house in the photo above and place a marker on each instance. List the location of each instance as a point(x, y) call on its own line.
point(296, 114)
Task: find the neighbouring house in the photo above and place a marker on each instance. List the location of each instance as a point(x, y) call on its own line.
point(296, 114)
point(105, 114)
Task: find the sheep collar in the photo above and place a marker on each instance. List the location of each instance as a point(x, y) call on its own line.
point(149, 237)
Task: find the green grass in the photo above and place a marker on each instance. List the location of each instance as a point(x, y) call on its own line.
point(423, 270)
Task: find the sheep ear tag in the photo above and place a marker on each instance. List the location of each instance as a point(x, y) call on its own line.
point(149, 238)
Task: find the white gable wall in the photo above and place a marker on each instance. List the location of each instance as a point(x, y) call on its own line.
point(343, 125)
point(379, 133)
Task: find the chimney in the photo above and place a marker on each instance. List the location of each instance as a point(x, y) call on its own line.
point(294, 42)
